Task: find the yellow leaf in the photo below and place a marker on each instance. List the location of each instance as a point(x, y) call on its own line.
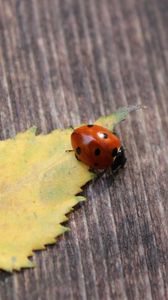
point(39, 182)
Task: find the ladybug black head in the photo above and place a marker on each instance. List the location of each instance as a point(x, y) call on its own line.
point(119, 160)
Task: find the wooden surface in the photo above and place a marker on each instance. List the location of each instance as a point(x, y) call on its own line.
point(63, 62)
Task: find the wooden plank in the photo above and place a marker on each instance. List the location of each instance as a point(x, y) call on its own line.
point(66, 62)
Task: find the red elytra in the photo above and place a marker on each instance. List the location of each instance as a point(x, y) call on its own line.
point(97, 147)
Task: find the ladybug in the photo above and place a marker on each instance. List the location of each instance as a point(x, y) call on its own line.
point(97, 147)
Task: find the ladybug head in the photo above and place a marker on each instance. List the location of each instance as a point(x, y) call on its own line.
point(119, 160)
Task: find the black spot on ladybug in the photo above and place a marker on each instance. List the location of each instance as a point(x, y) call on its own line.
point(90, 125)
point(105, 135)
point(97, 151)
point(77, 157)
point(96, 164)
point(114, 152)
point(78, 150)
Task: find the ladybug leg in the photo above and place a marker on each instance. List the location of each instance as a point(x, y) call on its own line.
point(77, 157)
point(92, 170)
point(98, 174)
point(71, 150)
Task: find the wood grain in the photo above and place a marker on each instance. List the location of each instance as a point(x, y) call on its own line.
point(63, 62)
